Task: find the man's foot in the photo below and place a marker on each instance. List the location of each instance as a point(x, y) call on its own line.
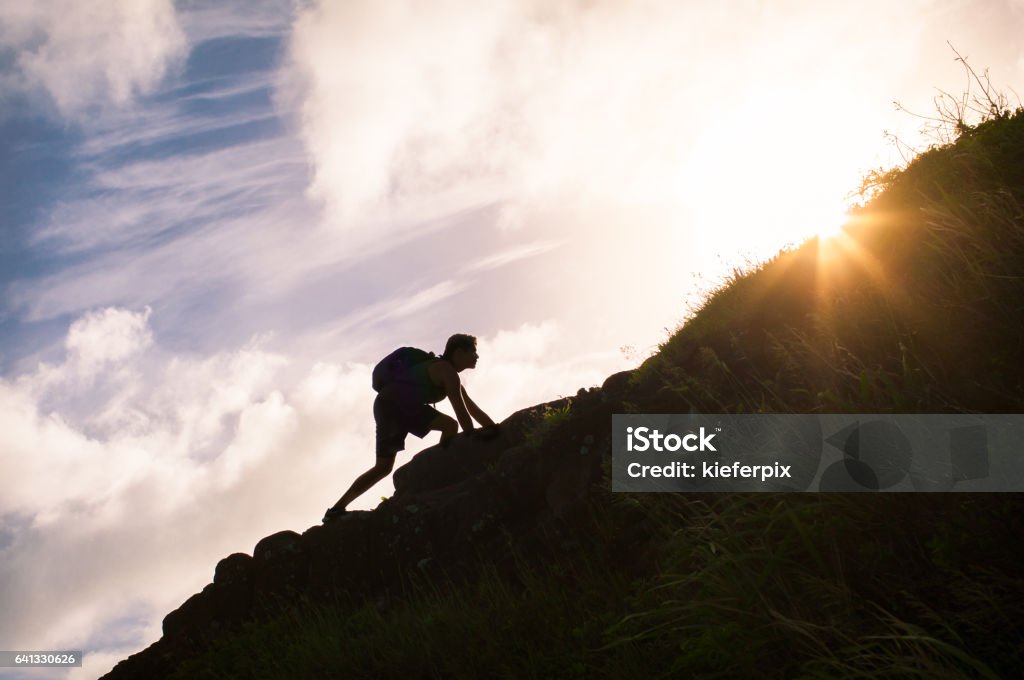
point(333, 513)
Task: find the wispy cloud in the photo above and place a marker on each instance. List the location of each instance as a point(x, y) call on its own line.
point(424, 299)
point(511, 255)
point(137, 203)
point(152, 130)
point(189, 193)
point(205, 20)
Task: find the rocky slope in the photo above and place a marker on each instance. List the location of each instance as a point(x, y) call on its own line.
point(454, 509)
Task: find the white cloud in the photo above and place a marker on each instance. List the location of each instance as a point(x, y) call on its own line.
point(107, 336)
point(386, 81)
point(526, 343)
point(93, 54)
point(216, 452)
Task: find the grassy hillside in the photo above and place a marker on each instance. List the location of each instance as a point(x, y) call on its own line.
point(919, 307)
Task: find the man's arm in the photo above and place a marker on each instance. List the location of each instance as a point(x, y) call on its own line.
point(453, 390)
point(476, 411)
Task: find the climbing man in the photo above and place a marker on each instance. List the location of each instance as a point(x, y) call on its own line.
point(407, 381)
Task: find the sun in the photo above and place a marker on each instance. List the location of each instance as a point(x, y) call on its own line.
point(755, 184)
point(831, 222)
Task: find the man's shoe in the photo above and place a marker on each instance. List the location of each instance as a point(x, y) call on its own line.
point(333, 513)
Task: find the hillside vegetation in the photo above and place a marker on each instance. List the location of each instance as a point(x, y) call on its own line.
point(917, 308)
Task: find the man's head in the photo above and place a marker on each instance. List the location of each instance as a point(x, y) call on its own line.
point(460, 351)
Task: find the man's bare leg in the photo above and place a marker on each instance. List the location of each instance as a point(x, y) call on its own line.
point(448, 426)
point(364, 482)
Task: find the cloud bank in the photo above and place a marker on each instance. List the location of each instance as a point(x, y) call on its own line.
point(129, 471)
point(578, 101)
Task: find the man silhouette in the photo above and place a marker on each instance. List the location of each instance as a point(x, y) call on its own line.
point(403, 406)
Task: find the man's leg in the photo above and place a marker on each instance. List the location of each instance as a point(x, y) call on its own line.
point(390, 440)
point(365, 481)
point(448, 426)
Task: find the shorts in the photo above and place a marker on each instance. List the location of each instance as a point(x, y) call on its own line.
point(398, 411)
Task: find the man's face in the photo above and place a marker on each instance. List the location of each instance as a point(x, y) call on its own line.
point(467, 357)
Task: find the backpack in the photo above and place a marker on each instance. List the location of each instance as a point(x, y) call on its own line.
point(398, 366)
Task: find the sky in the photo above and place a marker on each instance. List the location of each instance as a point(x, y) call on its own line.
point(217, 216)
